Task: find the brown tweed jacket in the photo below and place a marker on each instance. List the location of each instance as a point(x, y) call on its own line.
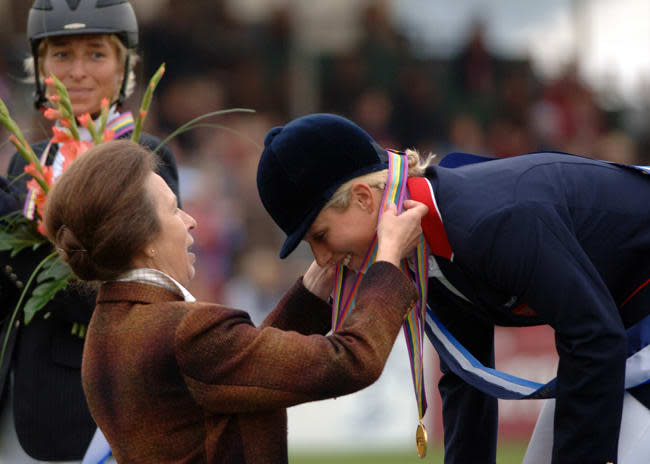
point(174, 382)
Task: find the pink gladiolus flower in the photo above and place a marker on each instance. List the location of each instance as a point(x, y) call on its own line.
point(108, 135)
point(84, 120)
point(55, 98)
point(143, 114)
point(72, 150)
point(104, 103)
point(15, 141)
point(52, 114)
point(31, 184)
point(65, 122)
point(60, 136)
point(48, 173)
point(31, 170)
point(49, 81)
point(41, 227)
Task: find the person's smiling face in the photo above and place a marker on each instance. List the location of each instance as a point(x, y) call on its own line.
point(170, 252)
point(89, 67)
point(343, 236)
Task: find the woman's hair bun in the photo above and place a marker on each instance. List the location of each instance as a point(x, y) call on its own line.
point(75, 254)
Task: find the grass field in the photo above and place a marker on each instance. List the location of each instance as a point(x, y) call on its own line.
point(506, 454)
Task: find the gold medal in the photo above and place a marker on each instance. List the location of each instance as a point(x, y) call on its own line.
point(421, 440)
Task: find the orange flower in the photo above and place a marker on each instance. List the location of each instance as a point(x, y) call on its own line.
point(33, 171)
point(108, 135)
point(73, 149)
point(15, 141)
point(104, 103)
point(143, 114)
point(65, 122)
point(49, 81)
point(60, 136)
point(41, 228)
point(55, 98)
point(52, 114)
point(84, 120)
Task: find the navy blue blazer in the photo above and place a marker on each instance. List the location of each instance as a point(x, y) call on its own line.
point(570, 238)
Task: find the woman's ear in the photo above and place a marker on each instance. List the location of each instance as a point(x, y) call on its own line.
point(362, 196)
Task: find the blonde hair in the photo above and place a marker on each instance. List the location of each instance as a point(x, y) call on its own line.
point(122, 53)
point(379, 179)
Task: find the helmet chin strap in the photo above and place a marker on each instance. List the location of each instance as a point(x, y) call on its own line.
point(122, 96)
point(39, 95)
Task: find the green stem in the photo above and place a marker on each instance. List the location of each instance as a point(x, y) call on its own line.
point(146, 102)
point(20, 301)
point(97, 139)
point(66, 106)
point(12, 127)
point(185, 126)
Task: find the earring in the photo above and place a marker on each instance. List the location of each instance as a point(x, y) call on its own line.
point(153, 251)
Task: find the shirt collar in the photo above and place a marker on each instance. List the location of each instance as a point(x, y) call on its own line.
point(158, 278)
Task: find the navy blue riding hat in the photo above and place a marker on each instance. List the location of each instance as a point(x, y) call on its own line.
point(305, 162)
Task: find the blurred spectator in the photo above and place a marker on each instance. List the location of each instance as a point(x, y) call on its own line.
point(466, 135)
point(616, 146)
point(474, 74)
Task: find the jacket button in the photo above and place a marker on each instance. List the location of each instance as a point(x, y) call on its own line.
point(13, 277)
point(19, 284)
point(8, 269)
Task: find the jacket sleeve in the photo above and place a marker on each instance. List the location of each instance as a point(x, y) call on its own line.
point(301, 311)
point(529, 251)
point(468, 415)
point(232, 367)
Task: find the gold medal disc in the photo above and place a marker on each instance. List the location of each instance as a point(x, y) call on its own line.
point(421, 440)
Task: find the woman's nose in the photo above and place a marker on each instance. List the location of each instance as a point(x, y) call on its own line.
point(189, 220)
point(78, 68)
point(321, 254)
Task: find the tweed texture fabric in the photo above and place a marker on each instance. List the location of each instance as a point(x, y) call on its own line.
point(169, 381)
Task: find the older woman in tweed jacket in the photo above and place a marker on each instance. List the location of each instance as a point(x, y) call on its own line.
point(172, 380)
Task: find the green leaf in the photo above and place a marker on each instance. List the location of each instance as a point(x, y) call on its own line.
point(42, 295)
point(19, 240)
point(14, 313)
point(55, 269)
point(17, 232)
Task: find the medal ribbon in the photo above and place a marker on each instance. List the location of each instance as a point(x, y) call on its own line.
point(347, 282)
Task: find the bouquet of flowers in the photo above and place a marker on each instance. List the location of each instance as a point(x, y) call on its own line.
point(21, 230)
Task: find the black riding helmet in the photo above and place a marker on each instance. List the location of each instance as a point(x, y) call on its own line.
point(52, 18)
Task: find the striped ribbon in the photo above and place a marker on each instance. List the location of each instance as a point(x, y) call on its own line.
point(505, 386)
point(123, 124)
point(347, 282)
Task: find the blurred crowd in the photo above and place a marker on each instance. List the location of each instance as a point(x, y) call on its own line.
point(473, 101)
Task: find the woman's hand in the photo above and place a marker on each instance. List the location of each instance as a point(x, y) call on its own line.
point(319, 280)
point(398, 235)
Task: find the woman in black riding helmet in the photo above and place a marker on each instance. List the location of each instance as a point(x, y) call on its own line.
point(90, 46)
